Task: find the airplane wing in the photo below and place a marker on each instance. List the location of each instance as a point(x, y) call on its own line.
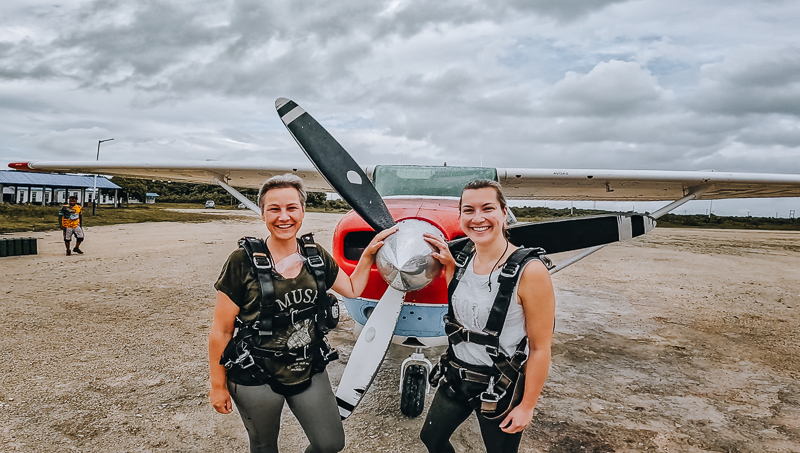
point(642, 185)
point(252, 176)
point(518, 183)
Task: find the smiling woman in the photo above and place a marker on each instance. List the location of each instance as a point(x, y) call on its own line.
point(501, 313)
point(267, 345)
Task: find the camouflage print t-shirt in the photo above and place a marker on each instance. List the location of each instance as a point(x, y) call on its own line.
point(240, 283)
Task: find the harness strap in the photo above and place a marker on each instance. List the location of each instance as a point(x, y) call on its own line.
point(262, 265)
point(462, 258)
point(505, 368)
point(303, 352)
point(269, 317)
point(509, 276)
point(456, 333)
point(317, 267)
point(284, 319)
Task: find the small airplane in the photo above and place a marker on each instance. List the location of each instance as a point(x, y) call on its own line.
point(406, 296)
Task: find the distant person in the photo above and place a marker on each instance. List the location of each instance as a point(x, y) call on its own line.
point(267, 343)
point(70, 218)
point(501, 312)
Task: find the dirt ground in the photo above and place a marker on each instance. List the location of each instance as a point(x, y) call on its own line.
point(682, 341)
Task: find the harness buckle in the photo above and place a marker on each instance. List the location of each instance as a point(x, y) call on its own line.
point(329, 354)
point(460, 259)
point(465, 374)
point(245, 360)
point(455, 336)
point(509, 273)
point(490, 398)
point(315, 261)
point(261, 261)
point(493, 351)
point(257, 327)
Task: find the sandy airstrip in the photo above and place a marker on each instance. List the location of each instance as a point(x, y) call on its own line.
point(682, 341)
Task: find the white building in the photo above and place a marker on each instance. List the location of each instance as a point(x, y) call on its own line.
point(22, 187)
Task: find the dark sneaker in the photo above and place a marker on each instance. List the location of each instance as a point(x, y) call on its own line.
point(78, 251)
point(68, 252)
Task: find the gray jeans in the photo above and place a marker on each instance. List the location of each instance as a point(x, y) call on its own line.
point(315, 409)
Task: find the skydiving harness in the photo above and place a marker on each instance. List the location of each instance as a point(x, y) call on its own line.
point(494, 389)
point(242, 349)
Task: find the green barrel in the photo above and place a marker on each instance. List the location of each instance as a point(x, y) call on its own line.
point(3, 247)
point(26, 246)
point(10, 249)
point(34, 246)
point(17, 246)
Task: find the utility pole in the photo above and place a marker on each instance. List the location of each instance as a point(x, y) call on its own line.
point(95, 197)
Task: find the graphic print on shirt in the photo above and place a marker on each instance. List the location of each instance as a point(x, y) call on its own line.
point(297, 296)
point(301, 335)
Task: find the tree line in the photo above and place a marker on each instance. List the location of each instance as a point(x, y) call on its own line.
point(179, 192)
point(182, 192)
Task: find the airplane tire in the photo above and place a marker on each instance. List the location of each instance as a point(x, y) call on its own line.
point(333, 319)
point(412, 399)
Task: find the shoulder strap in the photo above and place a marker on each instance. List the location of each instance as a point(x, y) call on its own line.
point(314, 261)
point(316, 266)
point(259, 257)
point(462, 258)
point(509, 276)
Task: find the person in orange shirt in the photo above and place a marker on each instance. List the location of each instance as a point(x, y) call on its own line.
point(70, 218)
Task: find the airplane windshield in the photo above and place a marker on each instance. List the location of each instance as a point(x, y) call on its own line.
point(427, 181)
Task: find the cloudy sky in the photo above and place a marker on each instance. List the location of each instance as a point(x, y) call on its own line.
point(642, 84)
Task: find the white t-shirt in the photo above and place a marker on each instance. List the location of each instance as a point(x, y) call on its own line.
point(472, 302)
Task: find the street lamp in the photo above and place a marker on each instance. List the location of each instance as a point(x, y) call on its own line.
point(94, 191)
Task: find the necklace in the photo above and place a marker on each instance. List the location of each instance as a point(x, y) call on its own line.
point(495, 265)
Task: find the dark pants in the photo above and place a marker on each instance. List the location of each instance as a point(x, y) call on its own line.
point(315, 409)
point(448, 413)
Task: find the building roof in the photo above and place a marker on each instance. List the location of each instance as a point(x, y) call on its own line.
point(151, 194)
point(31, 179)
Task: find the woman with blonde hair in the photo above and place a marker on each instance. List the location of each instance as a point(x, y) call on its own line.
point(267, 343)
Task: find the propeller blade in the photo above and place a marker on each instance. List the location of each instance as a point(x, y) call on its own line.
point(369, 351)
point(556, 236)
point(335, 164)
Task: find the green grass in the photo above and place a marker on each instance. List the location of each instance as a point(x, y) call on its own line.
point(15, 218)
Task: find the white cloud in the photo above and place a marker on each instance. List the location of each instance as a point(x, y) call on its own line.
point(611, 88)
point(752, 80)
point(603, 84)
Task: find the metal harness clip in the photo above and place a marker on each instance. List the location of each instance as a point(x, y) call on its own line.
point(261, 261)
point(493, 351)
point(509, 273)
point(315, 261)
point(489, 398)
point(460, 259)
point(245, 355)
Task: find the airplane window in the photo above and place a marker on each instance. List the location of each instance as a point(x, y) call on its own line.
point(427, 180)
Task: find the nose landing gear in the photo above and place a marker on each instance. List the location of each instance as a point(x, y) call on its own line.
point(414, 383)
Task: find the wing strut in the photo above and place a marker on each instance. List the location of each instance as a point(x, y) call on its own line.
point(250, 205)
point(693, 194)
